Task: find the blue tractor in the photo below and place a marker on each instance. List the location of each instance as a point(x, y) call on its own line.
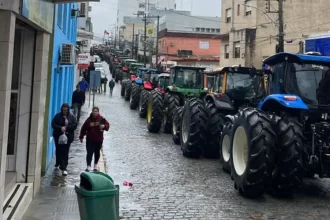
point(288, 136)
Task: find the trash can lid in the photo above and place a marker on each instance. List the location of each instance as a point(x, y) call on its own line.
point(96, 181)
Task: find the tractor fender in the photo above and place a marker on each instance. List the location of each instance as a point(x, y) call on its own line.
point(285, 100)
point(220, 102)
point(147, 85)
point(231, 118)
point(133, 78)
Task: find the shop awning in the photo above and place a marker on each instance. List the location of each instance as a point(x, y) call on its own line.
point(72, 1)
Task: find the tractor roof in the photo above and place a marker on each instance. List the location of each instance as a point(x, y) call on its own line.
point(297, 58)
point(130, 60)
point(164, 75)
point(242, 70)
point(188, 67)
point(137, 64)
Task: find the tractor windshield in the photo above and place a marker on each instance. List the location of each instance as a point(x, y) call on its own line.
point(241, 85)
point(150, 76)
point(164, 82)
point(309, 81)
point(189, 78)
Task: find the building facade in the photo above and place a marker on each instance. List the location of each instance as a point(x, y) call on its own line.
point(249, 28)
point(62, 77)
point(85, 27)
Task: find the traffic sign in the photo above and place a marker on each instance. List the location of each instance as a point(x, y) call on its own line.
point(150, 31)
point(95, 79)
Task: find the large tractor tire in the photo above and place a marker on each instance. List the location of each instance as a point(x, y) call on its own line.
point(290, 170)
point(122, 90)
point(143, 103)
point(216, 122)
point(135, 95)
point(253, 147)
point(172, 101)
point(193, 128)
point(155, 111)
point(177, 125)
point(128, 87)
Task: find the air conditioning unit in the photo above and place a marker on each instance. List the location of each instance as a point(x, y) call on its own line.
point(67, 55)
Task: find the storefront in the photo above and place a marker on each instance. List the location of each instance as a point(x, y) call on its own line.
point(24, 46)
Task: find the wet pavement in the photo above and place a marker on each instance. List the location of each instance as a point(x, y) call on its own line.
point(168, 186)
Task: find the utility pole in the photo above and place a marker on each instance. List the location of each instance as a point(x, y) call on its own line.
point(280, 27)
point(145, 40)
point(133, 43)
point(157, 39)
point(115, 37)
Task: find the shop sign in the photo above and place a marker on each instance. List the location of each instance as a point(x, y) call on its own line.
point(83, 60)
point(40, 12)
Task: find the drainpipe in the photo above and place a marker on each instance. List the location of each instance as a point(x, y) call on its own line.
point(232, 15)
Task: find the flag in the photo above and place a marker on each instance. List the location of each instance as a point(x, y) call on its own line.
point(106, 32)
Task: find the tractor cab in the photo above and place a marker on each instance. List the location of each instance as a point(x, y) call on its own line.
point(236, 87)
point(163, 81)
point(186, 80)
point(148, 77)
point(133, 70)
point(126, 64)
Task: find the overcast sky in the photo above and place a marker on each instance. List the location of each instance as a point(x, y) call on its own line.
point(104, 13)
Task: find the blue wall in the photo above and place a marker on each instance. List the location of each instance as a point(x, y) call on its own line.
point(62, 83)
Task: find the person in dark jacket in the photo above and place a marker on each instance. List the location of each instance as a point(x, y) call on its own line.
point(63, 123)
point(111, 85)
point(78, 100)
point(94, 128)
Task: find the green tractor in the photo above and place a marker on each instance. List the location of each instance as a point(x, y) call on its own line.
point(186, 87)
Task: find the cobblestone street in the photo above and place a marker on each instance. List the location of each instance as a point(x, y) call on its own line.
point(168, 186)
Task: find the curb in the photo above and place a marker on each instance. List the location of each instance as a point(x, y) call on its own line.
point(102, 163)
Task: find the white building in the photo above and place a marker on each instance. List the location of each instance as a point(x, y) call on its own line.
point(131, 7)
point(85, 27)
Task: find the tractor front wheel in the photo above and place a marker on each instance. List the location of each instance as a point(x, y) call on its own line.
point(215, 124)
point(122, 91)
point(128, 87)
point(177, 125)
point(135, 94)
point(193, 128)
point(143, 103)
point(225, 147)
point(155, 111)
point(253, 147)
point(172, 102)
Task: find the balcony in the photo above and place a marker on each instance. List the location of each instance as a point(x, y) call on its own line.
point(74, 1)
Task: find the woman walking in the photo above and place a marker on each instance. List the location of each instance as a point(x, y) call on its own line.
point(93, 128)
point(64, 124)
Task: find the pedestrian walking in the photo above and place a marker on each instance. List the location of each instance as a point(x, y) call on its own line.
point(64, 124)
point(83, 85)
point(78, 100)
point(111, 85)
point(94, 128)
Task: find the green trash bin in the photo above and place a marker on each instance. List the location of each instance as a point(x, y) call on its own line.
point(96, 196)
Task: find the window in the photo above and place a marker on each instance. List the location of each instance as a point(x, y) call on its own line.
point(212, 30)
point(65, 20)
point(218, 30)
point(228, 15)
point(60, 15)
point(82, 10)
point(248, 9)
point(202, 29)
point(208, 29)
point(226, 51)
point(237, 50)
point(238, 10)
point(198, 29)
point(204, 45)
point(184, 53)
point(141, 5)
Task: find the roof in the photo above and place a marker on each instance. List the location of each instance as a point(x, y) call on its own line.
point(242, 70)
point(296, 58)
point(187, 67)
point(130, 60)
point(137, 64)
point(164, 75)
point(148, 69)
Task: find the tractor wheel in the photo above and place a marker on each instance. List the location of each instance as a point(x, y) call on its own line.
point(193, 128)
point(128, 87)
point(122, 91)
point(216, 121)
point(177, 125)
point(253, 147)
point(155, 111)
point(225, 148)
point(143, 103)
point(172, 102)
point(135, 94)
point(290, 170)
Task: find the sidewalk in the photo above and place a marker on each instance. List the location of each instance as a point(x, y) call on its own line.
point(57, 199)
